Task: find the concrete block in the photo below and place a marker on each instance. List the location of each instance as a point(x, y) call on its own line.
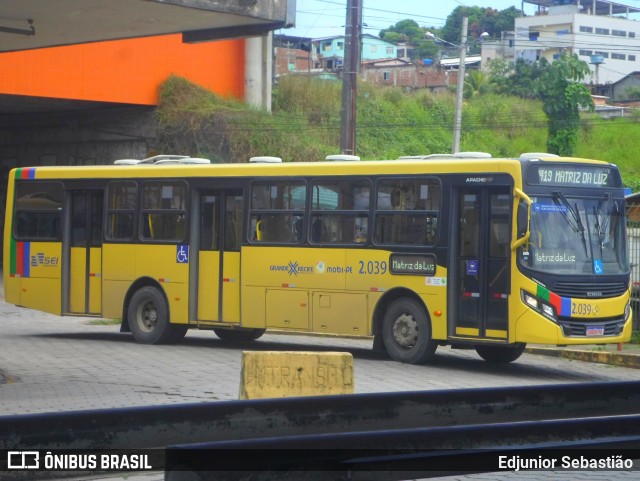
point(274, 374)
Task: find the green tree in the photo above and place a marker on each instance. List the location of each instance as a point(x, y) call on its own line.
point(405, 31)
point(526, 76)
point(481, 20)
point(562, 95)
point(409, 31)
point(499, 73)
point(632, 93)
point(475, 83)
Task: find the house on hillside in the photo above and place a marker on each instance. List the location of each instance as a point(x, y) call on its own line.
point(619, 89)
point(503, 48)
point(400, 73)
point(291, 54)
point(603, 33)
point(328, 52)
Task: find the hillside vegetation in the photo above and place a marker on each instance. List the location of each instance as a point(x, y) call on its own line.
point(305, 125)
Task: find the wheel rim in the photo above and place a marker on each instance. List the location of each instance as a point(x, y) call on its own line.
point(147, 316)
point(405, 331)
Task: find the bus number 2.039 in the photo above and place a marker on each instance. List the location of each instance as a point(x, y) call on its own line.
point(581, 309)
point(373, 267)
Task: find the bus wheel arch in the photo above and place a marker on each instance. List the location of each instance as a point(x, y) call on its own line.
point(402, 327)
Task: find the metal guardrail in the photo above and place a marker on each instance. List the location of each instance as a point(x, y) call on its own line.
point(403, 454)
point(392, 431)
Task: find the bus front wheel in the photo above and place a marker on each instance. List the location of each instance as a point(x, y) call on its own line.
point(501, 354)
point(406, 332)
point(148, 317)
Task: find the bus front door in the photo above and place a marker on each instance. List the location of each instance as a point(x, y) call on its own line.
point(83, 242)
point(481, 279)
point(218, 238)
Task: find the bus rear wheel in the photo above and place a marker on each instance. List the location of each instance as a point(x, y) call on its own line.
point(501, 354)
point(239, 335)
point(406, 332)
point(148, 316)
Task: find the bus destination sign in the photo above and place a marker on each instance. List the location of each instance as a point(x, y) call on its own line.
point(572, 175)
point(417, 264)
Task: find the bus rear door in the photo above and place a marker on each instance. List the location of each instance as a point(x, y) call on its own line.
point(82, 242)
point(478, 302)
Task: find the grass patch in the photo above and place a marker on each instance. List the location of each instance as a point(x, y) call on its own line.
point(304, 125)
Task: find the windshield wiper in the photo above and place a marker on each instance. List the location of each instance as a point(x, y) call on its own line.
point(576, 225)
point(603, 227)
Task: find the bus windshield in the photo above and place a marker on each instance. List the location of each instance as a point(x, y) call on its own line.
point(574, 235)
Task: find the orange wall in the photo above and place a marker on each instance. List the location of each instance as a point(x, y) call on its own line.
point(126, 71)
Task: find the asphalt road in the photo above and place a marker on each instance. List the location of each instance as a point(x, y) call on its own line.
point(68, 363)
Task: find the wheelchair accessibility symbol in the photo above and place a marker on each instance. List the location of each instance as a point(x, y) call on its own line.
point(597, 267)
point(182, 253)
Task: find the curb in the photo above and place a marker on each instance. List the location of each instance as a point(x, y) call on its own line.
point(601, 357)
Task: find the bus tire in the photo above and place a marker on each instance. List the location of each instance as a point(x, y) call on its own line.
point(239, 335)
point(501, 354)
point(148, 316)
point(406, 332)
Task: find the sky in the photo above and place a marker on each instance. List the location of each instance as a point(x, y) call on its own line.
point(326, 18)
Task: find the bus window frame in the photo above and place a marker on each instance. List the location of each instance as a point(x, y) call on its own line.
point(17, 211)
point(353, 213)
point(251, 211)
point(141, 211)
point(376, 212)
point(108, 211)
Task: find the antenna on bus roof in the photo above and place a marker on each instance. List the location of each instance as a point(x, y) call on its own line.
point(265, 159)
point(338, 157)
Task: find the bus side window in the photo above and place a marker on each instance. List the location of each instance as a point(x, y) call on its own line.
point(407, 211)
point(163, 213)
point(38, 206)
point(277, 211)
point(340, 211)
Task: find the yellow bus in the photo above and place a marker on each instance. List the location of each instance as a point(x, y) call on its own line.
point(416, 253)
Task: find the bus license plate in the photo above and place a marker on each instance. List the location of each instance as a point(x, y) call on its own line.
point(595, 331)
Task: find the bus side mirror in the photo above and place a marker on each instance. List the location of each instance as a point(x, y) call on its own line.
point(523, 219)
point(523, 216)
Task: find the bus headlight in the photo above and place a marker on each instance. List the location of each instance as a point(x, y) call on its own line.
point(539, 306)
point(627, 310)
point(548, 311)
point(530, 300)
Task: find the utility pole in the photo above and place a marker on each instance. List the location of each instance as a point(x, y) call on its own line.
point(350, 69)
point(457, 122)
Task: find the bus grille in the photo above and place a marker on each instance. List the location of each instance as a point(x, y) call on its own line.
point(573, 327)
point(589, 290)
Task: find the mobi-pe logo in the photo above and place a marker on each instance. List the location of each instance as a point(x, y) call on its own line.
point(23, 460)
